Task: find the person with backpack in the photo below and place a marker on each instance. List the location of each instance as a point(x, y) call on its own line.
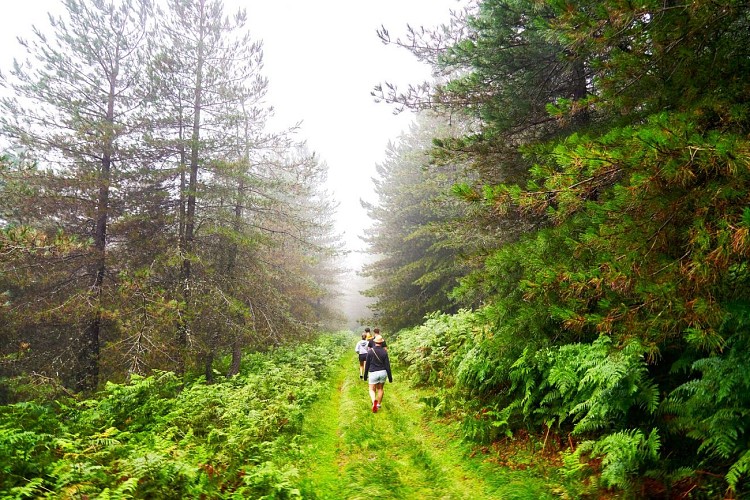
point(361, 349)
point(377, 370)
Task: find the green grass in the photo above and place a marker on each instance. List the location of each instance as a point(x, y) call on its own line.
point(400, 453)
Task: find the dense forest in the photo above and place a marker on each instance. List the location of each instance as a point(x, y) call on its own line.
point(559, 250)
point(592, 285)
point(151, 219)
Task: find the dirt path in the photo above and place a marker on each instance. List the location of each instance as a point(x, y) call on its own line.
point(396, 453)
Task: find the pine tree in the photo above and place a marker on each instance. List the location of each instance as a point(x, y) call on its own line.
point(242, 188)
point(417, 260)
point(634, 154)
point(75, 112)
point(206, 68)
point(208, 232)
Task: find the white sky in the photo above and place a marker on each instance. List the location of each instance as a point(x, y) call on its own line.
point(322, 58)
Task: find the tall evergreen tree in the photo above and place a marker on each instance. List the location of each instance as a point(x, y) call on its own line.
point(207, 68)
point(641, 277)
point(416, 262)
point(498, 68)
point(76, 112)
point(207, 231)
point(243, 189)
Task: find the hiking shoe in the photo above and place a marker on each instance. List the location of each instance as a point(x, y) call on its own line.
point(375, 406)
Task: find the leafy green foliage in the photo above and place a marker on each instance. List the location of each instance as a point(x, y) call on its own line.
point(429, 349)
point(499, 387)
point(27, 441)
point(155, 438)
point(617, 134)
point(626, 455)
point(713, 406)
point(591, 385)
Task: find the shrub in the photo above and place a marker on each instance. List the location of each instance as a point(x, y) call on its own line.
point(153, 438)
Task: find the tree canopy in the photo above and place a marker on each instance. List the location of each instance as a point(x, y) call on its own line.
point(609, 152)
point(150, 217)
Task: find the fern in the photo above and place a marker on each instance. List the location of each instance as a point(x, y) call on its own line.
point(593, 386)
point(713, 407)
point(625, 455)
point(740, 469)
point(32, 489)
point(146, 439)
point(266, 481)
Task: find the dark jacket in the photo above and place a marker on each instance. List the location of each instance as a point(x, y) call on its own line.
point(377, 359)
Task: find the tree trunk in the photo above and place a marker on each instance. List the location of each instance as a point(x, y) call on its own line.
point(193, 179)
point(234, 367)
point(182, 327)
point(87, 372)
point(186, 272)
point(194, 155)
point(183, 181)
point(87, 376)
point(580, 91)
point(209, 365)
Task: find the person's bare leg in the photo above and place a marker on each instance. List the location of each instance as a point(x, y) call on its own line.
point(380, 393)
point(372, 393)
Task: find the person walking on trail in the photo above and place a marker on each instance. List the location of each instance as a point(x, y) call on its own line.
point(377, 370)
point(361, 350)
point(372, 342)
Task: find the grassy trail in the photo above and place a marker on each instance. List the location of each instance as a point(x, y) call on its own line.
point(397, 453)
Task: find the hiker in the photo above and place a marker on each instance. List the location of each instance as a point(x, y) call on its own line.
point(376, 332)
point(377, 370)
point(361, 350)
